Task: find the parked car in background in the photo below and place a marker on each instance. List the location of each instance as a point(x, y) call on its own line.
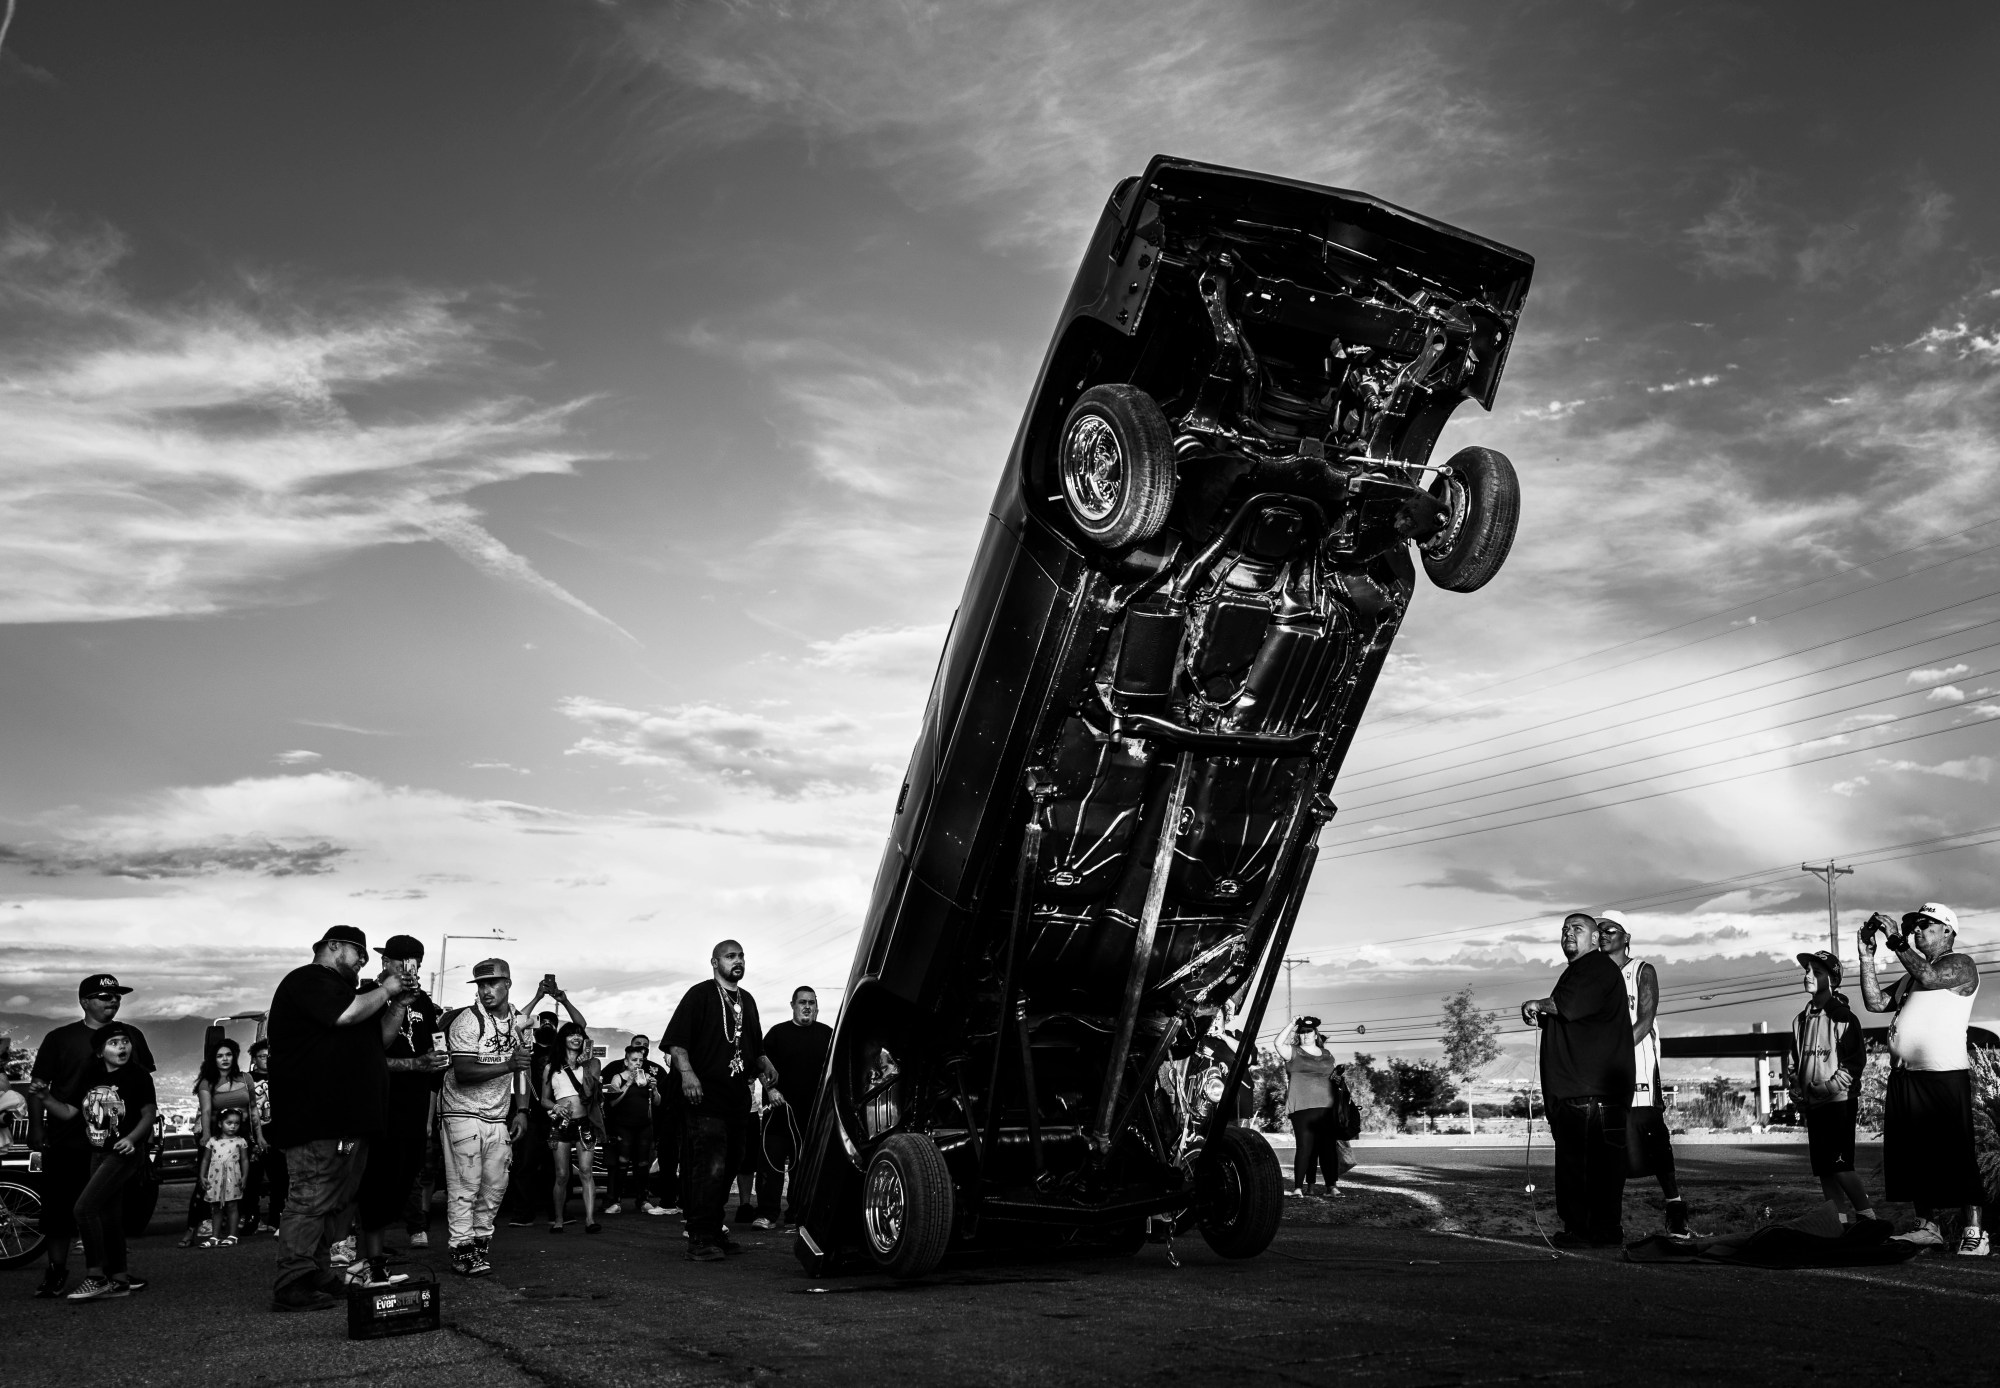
point(1203, 542)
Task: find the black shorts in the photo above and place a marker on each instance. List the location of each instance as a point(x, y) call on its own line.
point(572, 1130)
point(1927, 1151)
point(1830, 1135)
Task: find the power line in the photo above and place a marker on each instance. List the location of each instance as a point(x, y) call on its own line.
point(1684, 708)
point(1546, 669)
point(1379, 847)
point(1454, 787)
point(1883, 853)
point(1720, 674)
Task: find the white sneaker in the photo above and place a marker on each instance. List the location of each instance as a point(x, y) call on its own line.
point(762, 1223)
point(420, 1239)
point(662, 1210)
point(1973, 1244)
point(613, 1208)
point(342, 1253)
point(1925, 1235)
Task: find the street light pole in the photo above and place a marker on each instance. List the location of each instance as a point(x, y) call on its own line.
point(1827, 872)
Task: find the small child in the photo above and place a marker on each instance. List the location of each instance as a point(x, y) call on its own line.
point(224, 1171)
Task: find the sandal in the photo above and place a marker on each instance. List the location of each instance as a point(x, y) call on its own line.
point(228, 1241)
point(210, 1242)
point(593, 1228)
point(189, 1240)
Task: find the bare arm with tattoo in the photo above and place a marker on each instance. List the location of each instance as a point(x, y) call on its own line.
point(1649, 1004)
point(1954, 972)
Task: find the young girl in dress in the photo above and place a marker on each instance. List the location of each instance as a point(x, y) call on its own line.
point(224, 1170)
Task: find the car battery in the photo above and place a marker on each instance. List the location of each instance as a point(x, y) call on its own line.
point(403, 1308)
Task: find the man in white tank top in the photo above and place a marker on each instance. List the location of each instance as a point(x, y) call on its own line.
point(1647, 1145)
point(1927, 1142)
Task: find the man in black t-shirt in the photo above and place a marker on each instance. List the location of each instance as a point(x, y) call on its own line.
point(632, 1092)
point(797, 1046)
point(65, 1055)
point(416, 1069)
point(1587, 1086)
point(717, 1044)
point(329, 1098)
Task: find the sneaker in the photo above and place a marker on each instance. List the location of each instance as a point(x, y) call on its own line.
point(705, 1252)
point(650, 1208)
point(420, 1239)
point(1565, 1239)
point(98, 1289)
point(341, 1254)
point(303, 1298)
point(132, 1284)
point(1677, 1218)
point(762, 1223)
point(1973, 1243)
point(54, 1281)
point(613, 1208)
point(1925, 1235)
point(462, 1259)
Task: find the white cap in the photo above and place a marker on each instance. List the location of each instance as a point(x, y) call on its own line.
point(1940, 913)
point(1616, 918)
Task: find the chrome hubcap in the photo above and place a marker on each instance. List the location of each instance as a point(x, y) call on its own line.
point(1093, 468)
point(883, 1209)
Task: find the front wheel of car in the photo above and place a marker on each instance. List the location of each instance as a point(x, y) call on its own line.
point(1116, 462)
point(1481, 498)
point(907, 1205)
point(1240, 1191)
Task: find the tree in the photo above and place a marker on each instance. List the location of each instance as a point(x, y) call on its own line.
point(1422, 1086)
point(1471, 1037)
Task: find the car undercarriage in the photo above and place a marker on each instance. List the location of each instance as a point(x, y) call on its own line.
point(1199, 554)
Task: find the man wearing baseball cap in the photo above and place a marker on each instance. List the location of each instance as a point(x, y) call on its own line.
point(1826, 1039)
point(485, 1110)
point(1927, 1142)
point(1648, 1147)
point(65, 1054)
point(329, 1097)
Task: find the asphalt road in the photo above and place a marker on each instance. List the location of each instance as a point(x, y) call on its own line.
point(1325, 1304)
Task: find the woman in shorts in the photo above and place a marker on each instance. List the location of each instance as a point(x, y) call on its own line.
point(570, 1088)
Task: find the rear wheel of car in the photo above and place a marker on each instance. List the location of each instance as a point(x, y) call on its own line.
point(1116, 461)
point(1241, 1191)
point(906, 1205)
point(21, 1236)
point(1482, 501)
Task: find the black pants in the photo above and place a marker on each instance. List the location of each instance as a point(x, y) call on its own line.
point(1308, 1152)
point(1590, 1166)
point(714, 1155)
point(1649, 1150)
point(395, 1160)
point(65, 1172)
point(267, 1182)
point(628, 1160)
point(100, 1210)
point(531, 1185)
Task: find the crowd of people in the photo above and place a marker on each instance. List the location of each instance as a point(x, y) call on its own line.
point(1600, 1076)
point(362, 1094)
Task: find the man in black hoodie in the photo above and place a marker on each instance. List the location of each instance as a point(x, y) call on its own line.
point(1587, 1084)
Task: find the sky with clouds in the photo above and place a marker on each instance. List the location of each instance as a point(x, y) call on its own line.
point(508, 468)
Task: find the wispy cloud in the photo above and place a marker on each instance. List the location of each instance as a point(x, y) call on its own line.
point(161, 459)
point(787, 757)
point(1736, 237)
point(1042, 107)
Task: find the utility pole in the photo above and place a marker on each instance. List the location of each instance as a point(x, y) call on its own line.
point(1827, 872)
point(437, 978)
point(1290, 964)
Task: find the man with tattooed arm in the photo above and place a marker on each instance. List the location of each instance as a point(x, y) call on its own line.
point(1927, 1145)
